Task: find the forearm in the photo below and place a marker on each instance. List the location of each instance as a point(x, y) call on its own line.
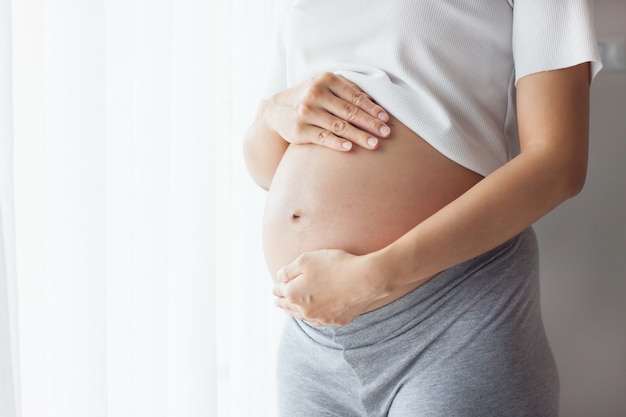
point(493, 211)
point(263, 148)
point(553, 119)
point(333, 286)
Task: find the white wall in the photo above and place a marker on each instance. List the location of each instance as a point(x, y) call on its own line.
point(583, 256)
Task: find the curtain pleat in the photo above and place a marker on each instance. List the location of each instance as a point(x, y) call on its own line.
point(254, 320)
point(9, 369)
point(7, 337)
point(118, 249)
point(74, 199)
point(120, 200)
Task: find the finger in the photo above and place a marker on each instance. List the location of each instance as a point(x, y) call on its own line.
point(291, 271)
point(281, 303)
point(279, 289)
point(336, 133)
point(376, 109)
point(286, 307)
point(352, 94)
point(311, 127)
point(280, 276)
point(354, 114)
point(347, 81)
point(347, 101)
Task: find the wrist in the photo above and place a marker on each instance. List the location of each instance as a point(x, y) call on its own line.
point(270, 115)
point(382, 272)
point(394, 267)
point(263, 146)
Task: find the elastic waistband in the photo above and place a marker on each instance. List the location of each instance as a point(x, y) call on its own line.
point(424, 302)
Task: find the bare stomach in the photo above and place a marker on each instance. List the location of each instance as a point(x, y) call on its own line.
point(360, 201)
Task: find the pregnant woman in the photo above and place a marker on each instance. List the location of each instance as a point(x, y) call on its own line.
point(408, 147)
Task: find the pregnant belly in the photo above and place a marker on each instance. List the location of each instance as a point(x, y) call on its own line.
point(359, 201)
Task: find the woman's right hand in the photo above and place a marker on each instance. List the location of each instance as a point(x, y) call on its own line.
point(328, 110)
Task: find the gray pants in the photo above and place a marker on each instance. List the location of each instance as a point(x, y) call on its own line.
point(470, 342)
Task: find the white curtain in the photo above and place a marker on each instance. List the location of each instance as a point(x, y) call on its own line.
point(136, 282)
point(115, 180)
point(9, 377)
point(249, 338)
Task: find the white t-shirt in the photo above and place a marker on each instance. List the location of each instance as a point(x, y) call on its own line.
point(445, 68)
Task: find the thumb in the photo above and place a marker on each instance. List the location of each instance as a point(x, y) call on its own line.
point(287, 273)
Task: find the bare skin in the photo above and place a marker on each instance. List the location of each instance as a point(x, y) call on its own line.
point(331, 286)
point(359, 201)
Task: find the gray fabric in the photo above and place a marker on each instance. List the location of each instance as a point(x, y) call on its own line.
point(470, 342)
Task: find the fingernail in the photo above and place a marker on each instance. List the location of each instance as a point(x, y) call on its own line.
point(346, 145)
point(383, 116)
point(372, 142)
point(385, 130)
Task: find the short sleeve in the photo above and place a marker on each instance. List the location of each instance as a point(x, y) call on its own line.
point(276, 66)
point(553, 34)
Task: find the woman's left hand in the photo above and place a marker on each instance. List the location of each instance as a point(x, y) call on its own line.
point(327, 287)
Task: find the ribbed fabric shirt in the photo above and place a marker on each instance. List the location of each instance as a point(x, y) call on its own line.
point(445, 68)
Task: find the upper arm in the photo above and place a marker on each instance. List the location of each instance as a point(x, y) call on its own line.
point(553, 117)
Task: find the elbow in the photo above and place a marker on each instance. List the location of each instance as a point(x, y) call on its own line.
point(573, 188)
point(565, 170)
point(574, 180)
point(577, 186)
point(255, 166)
point(265, 185)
